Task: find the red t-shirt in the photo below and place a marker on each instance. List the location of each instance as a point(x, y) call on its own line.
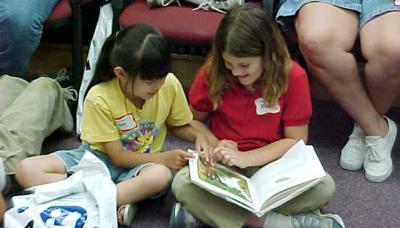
point(243, 117)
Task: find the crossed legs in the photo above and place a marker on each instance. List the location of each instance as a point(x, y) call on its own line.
point(326, 37)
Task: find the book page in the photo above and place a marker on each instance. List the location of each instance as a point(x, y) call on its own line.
point(298, 166)
point(228, 184)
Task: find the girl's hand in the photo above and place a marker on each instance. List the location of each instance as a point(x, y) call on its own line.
point(229, 155)
point(228, 143)
point(205, 150)
point(175, 159)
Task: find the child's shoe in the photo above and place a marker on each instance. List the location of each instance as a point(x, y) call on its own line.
point(303, 220)
point(181, 218)
point(126, 213)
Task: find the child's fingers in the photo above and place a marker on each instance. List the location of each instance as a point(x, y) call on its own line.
point(186, 155)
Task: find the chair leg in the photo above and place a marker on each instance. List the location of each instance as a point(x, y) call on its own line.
point(77, 59)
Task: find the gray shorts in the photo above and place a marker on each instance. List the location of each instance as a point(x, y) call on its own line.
point(367, 9)
point(72, 158)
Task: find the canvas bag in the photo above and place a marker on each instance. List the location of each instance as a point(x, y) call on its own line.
point(87, 199)
point(102, 31)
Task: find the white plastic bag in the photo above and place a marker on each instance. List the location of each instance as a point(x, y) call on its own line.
point(87, 199)
point(102, 31)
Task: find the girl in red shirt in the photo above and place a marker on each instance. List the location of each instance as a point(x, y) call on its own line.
point(258, 104)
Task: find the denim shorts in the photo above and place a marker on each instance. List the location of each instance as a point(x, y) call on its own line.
point(367, 9)
point(72, 158)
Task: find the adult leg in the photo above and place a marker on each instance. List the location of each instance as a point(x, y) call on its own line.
point(382, 51)
point(21, 27)
point(10, 88)
point(381, 48)
point(326, 37)
point(38, 111)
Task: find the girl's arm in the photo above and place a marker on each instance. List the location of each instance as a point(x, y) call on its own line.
point(174, 159)
point(193, 132)
point(200, 125)
point(265, 154)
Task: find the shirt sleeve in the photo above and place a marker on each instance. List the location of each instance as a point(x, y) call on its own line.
point(199, 97)
point(297, 102)
point(180, 112)
point(97, 122)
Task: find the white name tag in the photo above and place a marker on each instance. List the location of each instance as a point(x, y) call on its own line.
point(262, 108)
point(396, 2)
point(126, 122)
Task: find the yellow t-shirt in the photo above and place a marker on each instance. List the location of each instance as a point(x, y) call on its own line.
point(108, 116)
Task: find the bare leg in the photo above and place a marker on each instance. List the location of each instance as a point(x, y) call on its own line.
point(326, 37)
point(381, 47)
point(38, 170)
point(151, 180)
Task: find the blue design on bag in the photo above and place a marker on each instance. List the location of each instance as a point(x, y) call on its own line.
point(64, 212)
point(21, 209)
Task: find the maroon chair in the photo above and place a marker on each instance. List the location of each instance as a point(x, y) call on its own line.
point(187, 31)
point(63, 13)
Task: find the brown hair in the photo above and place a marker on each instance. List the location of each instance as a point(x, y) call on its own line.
point(247, 31)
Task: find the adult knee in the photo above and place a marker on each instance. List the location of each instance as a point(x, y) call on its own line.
point(45, 83)
point(314, 44)
point(23, 24)
point(386, 56)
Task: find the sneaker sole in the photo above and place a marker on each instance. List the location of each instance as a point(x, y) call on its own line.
point(381, 178)
point(350, 167)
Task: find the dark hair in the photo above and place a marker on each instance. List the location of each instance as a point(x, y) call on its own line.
point(140, 50)
point(247, 31)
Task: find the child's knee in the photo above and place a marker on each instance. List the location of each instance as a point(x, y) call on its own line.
point(326, 189)
point(23, 170)
point(160, 175)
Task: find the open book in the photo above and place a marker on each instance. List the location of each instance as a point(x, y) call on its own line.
point(271, 186)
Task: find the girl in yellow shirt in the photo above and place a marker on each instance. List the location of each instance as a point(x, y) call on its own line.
point(132, 101)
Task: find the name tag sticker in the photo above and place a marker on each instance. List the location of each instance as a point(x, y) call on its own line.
point(262, 108)
point(126, 122)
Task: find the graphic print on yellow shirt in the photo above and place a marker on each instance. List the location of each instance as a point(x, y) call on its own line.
point(140, 139)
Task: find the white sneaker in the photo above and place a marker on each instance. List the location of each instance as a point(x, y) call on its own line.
point(218, 5)
point(378, 163)
point(161, 3)
point(354, 152)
